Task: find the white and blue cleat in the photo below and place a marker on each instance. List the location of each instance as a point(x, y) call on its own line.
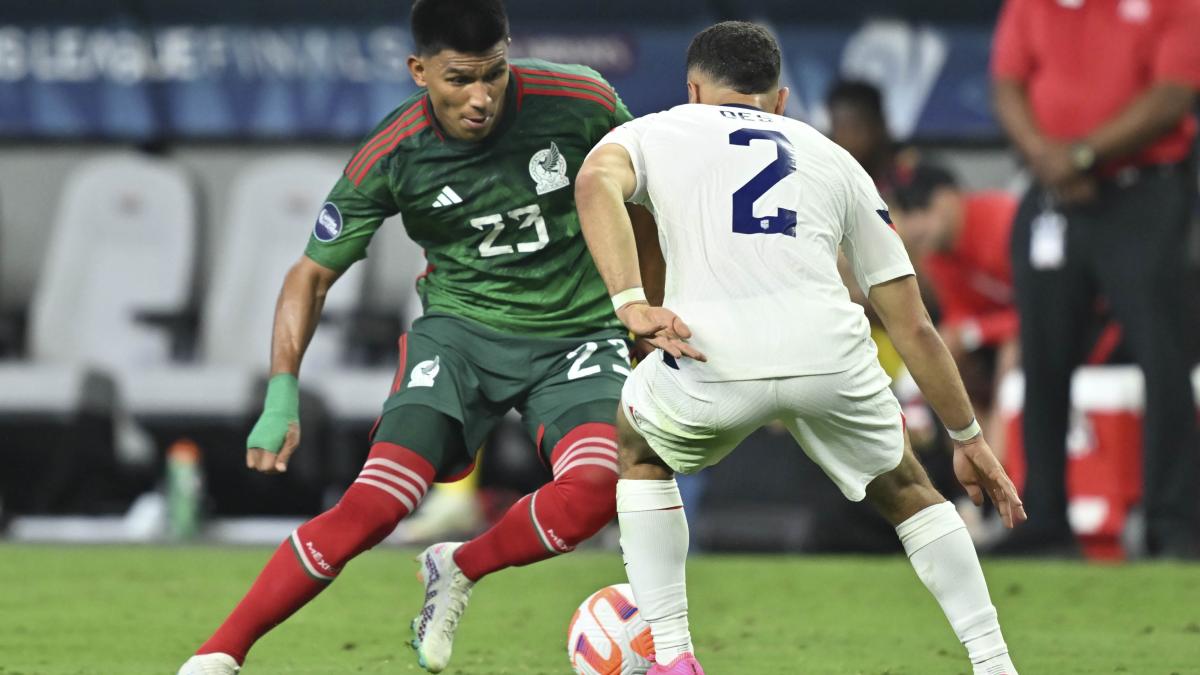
point(447, 592)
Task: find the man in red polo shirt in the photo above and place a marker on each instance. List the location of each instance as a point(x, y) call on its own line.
point(1097, 96)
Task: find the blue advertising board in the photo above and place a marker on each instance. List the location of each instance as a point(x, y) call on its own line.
point(238, 81)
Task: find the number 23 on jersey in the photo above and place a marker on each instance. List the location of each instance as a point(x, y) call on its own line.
point(526, 217)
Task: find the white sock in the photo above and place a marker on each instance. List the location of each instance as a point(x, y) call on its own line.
point(944, 557)
point(654, 541)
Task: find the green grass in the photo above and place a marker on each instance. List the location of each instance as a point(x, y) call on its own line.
point(134, 611)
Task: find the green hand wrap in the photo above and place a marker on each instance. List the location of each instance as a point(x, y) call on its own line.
point(281, 409)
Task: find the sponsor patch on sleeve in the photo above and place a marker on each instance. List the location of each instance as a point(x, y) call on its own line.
point(329, 223)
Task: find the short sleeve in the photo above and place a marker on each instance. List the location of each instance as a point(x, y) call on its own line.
point(1012, 56)
point(629, 136)
point(621, 114)
point(1177, 58)
point(869, 239)
point(346, 222)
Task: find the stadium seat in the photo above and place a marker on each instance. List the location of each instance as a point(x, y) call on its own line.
point(262, 232)
point(122, 247)
point(214, 399)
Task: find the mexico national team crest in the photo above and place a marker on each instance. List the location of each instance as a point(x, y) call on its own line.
point(548, 168)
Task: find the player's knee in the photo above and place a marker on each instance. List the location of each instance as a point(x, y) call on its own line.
point(589, 498)
point(367, 521)
point(903, 490)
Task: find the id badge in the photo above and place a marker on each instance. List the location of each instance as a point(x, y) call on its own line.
point(1048, 243)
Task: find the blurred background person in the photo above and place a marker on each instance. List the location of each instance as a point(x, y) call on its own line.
point(1098, 99)
point(958, 241)
point(857, 123)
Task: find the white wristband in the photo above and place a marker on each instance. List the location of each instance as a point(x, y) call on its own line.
point(963, 435)
point(635, 294)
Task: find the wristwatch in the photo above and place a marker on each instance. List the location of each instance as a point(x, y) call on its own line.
point(1083, 157)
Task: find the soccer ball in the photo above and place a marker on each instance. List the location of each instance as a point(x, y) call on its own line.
point(608, 636)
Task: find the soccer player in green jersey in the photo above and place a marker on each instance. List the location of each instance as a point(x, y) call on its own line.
point(480, 162)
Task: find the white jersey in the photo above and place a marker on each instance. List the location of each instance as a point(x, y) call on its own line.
point(752, 209)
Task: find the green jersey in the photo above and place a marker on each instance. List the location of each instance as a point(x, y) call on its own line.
point(496, 217)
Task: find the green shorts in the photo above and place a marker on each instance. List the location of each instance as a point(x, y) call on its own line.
point(457, 368)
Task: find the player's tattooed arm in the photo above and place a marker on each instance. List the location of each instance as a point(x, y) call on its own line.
point(297, 312)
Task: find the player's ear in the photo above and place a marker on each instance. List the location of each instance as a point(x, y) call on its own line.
point(416, 68)
point(781, 102)
point(693, 92)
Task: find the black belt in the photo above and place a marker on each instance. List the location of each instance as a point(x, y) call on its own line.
point(1131, 175)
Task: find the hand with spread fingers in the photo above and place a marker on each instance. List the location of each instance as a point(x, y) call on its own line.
point(660, 327)
point(977, 468)
point(277, 433)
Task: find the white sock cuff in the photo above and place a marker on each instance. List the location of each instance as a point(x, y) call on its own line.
point(928, 525)
point(647, 495)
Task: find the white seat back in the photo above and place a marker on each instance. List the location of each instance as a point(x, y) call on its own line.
point(123, 242)
point(270, 214)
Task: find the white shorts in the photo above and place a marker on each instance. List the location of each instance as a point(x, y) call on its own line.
point(849, 423)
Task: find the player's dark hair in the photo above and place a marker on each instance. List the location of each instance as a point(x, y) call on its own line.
point(914, 188)
point(858, 94)
point(740, 55)
point(469, 26)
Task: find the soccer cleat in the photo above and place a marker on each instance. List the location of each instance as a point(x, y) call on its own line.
point(684, 664)
point(210, 664)
point(447, 591)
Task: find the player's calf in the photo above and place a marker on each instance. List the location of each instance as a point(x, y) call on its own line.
point(654, 541)
point(558, 516)
point(390, 485)
point(942, 553)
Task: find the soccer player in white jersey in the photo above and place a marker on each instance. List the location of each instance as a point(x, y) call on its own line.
point(757, 326)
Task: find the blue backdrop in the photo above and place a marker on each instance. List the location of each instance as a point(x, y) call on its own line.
point(240, 81)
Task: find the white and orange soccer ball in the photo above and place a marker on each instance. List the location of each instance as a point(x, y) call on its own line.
point(608, 636)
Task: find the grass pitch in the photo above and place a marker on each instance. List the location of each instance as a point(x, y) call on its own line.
point(142, 610)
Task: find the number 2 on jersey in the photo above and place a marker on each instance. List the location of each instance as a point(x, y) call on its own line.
point(744, 220)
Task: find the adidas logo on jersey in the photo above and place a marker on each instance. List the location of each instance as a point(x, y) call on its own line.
point(447, 197)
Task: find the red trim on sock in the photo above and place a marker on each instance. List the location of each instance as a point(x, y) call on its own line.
point(591, 429)
point(405, 457)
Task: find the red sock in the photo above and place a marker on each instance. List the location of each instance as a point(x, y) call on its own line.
point(561, 514)
point(390, 485)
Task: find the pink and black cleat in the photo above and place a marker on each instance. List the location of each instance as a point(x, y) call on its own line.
point(684, 664)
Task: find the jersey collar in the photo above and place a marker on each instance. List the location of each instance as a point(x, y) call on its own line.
point(741, 105)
